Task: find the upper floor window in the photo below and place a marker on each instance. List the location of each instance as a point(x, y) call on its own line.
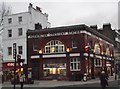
point(20, 31)
point(75, 64)
point(10, 33)
point(9, 20)
point(34, 47)
point(54, 46)
point(20, 19)
point(107, 51)
point(20, 50)
point(97, 48)
point(9, 50)
point(74, 44)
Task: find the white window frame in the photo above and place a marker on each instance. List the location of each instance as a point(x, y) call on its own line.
point(54, 46)
point(98, 63)
point(74, 44)
point(76, 64)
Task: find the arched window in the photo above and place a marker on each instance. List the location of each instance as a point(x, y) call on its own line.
point(54, 46)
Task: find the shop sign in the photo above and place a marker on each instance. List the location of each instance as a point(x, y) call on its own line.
point(58, 34)
point(97, 56)
point(91, 55)
point(108, 64)
point(10, 64)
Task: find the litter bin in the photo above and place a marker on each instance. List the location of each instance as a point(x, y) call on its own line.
point(85, 77)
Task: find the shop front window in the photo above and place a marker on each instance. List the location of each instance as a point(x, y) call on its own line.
point(75, 64)
point(54, 46)
point(51, 70)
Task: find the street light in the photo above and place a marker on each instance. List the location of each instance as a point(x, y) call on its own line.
point(67, 50)
point(40, 52)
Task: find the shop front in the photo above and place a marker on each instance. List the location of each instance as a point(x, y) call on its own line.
point(54, 70)
point(8, 70)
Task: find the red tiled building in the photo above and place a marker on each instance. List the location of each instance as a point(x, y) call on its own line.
point(65, 51)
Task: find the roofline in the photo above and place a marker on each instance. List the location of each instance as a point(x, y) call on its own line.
point(16, 14)
point(73, 26)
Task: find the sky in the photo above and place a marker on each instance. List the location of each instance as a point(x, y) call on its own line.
point(72, 12)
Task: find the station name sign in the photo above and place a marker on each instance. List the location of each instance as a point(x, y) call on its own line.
point(58, 34)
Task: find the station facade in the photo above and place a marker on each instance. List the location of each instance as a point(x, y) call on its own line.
point(59, 53)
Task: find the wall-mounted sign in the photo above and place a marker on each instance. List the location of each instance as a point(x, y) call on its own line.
point(10, 64)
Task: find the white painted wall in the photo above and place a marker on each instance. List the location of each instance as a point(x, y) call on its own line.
point(29, 19)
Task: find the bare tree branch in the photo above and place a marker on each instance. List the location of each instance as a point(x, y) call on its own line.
point(4, 11)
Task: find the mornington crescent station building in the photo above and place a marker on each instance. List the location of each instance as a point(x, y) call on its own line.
point(62, 52)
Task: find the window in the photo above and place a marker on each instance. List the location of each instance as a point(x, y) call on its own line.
point(9, 20)
point(34, 47)
point(20, 19)
point(9, 50)
point(74, 44)
point(54, 46)
point(97, 49)
point(75, 64)
point(20, 31)
point(98, 62)
point(10, 33)
point(107, 51)
point(19, 49)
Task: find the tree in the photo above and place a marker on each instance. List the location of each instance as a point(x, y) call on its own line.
point(4, 11)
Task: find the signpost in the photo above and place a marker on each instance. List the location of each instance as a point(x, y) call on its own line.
point(14, 57)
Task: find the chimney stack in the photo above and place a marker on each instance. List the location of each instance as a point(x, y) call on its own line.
point(107, 26)
point(38, 26)
point(93, 27)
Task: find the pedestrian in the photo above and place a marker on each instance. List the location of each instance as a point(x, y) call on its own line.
point(21, 80)
point(103, 80)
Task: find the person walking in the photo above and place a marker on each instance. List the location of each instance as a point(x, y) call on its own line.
point(103, 80)
point(21, 80)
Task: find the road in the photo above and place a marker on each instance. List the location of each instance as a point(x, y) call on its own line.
point(112, 85)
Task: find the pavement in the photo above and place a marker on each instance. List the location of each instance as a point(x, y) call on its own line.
point(55, 83)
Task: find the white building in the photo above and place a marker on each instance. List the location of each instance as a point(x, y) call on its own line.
point(15, 27)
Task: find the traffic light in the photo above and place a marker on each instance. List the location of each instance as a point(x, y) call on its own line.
point(86, 48)
point(19, 60)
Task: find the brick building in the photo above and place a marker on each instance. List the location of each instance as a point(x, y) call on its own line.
point(59, 53)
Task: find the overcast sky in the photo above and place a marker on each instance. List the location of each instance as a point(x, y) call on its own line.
point(72, 12)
